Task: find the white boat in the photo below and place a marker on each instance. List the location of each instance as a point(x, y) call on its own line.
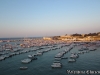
point(2, 58)
point(32, 49)
point(23, 68)
point(12, 54)
point(39, 53)
point(57, 58)
point(71, 60)
point(15, 50)
point(26, 61)
point(34, 54)
point(80, 52)
point(30, 56)
point(92, 49)
point(8, 49)
point(74, 56)
point(46, 50)
point(6, 56)
point(81, 49)
point(57, 63)
point(55, 66)
point(84, 48)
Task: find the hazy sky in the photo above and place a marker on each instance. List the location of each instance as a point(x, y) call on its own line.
point(23, 18)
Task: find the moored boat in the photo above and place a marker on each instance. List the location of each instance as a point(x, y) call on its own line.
point(26, 61)
point(23, 68)
point(71, 60)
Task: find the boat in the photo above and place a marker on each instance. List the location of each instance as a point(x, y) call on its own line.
point(15, 50)
point(6, 56)
point(56, 65)
point(92, 49)
point(84, 48)
point(81, 49)
point(39, 53)
point(34, 54)
point(80, 52)
point(56, 61)
point(17, 53)
point(57, 58)
point(30, 56)
point(71, 60)
point(26, 61)
point(46, 50)
point(74, 56)
point(23, 68)
point(32, 49)
point(2, 58)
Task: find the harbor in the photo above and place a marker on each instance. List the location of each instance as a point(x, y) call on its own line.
point(50, 37)
point(48, 57)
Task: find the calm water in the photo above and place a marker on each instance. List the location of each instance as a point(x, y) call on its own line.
point(20, 38)
point(42, 66)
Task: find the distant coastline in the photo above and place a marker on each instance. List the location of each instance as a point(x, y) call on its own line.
point(76, 37)
point(72, 37)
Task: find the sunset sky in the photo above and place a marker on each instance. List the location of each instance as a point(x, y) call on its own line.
point(36, 18)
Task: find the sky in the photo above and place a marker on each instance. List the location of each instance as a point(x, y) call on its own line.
point(37, 18)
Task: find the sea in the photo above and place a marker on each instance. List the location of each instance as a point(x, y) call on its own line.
point(86, 64)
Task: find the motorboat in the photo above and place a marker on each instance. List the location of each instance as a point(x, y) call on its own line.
point(74, 56)
point(56, 65)
point(92, 49)
point(23, 68)
point(57, 58)
point(71, 60)
point(30, 56)
point(2, 57)
point(26, 61)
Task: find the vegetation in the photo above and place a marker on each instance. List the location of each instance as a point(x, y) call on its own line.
point(76, 34)
point(91, 34)
point(97, 36)
point(56, 37)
